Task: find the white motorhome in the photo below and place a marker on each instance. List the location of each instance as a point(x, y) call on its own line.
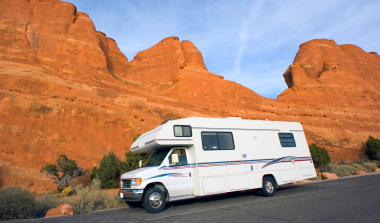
point(195, 157)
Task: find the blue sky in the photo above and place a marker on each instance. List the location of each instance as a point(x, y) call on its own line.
point(249, 42)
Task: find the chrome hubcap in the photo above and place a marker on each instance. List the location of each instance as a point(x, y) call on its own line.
point(155, 200)
point(269, 187)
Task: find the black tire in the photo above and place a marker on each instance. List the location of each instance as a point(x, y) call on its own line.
point(154, 200)
point(269, 187)
point(131, 204)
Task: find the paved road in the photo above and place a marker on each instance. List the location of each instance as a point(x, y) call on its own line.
point(352, 199)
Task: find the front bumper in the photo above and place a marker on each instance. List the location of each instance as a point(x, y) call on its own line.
point(131, 195)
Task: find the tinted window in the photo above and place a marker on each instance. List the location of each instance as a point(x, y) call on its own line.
point(210, 141)
point(186, 131)
point(287, 139)
point(226, 141)
point(157, 157)
point(182, 131)
point(217, 141)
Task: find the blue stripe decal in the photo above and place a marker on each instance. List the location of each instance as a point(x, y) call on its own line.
point(168, 174)
point(288, 159)
point(267, 162)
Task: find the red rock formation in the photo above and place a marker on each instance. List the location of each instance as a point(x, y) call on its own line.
point(193, 58)
point(360, 172)
point(340, 81)
point(329, 176)
point(159, 65)
point(53, 34)
point(61, 210)
point(329, 74)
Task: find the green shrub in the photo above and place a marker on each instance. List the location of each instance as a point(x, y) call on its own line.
point(132, 160)
point(93, 172)
point(109, 171)
point(63, 172)
point(44, 205)
point(88, 199)
point(136, 137)
point(16, 203)
point(373, 148)
point(320, 156)
point(111, 167)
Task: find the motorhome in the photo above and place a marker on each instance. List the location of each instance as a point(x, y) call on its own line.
point(196, 156)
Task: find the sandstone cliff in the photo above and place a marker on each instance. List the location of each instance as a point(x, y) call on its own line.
point(67, 88)
point(342, 75)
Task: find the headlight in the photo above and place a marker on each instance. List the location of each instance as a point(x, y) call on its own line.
point(136, 181)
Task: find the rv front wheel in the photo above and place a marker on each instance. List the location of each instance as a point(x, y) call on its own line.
point(269, 187)
point(154, 200)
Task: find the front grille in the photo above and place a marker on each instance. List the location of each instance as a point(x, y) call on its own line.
point(125, 183)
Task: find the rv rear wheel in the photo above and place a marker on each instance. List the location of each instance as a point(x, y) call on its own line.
point(154, 200)
point(269, 187)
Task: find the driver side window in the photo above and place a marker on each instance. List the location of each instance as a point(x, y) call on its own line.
point(182, 160)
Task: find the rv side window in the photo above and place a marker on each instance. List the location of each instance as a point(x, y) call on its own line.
point(217, 141)
point(287, 139)
point(182, 131)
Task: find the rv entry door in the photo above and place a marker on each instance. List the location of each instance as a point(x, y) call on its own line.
point(179, 174)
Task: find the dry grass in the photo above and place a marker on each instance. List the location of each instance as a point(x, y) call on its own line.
point(89, 199)
point(348, 169)
point(16, 203)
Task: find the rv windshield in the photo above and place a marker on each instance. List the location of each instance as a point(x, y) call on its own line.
point(157, 157)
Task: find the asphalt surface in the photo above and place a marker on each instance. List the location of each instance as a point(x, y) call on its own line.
point(351, 199)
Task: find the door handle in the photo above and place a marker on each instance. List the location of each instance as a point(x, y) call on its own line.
point(189, 174)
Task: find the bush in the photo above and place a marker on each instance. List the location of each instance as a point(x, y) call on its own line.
point(136, 137)
point(341, 170)
point(373, 148)
point(44, 205)
point(16, 203)
point(95, 184)
point(348, 169)
point(132, 160)
point(320, 156)
point(109, 171)
point(111, 167)
point(93, 172)
point(66, 192)
point(63, 172)
point(90, 199)
point(369, 167)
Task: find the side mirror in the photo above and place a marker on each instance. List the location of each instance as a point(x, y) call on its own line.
point(175, 158)
point(140, 163)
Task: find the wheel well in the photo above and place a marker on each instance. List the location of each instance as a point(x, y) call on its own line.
point(271, 176)
point(158, 185)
